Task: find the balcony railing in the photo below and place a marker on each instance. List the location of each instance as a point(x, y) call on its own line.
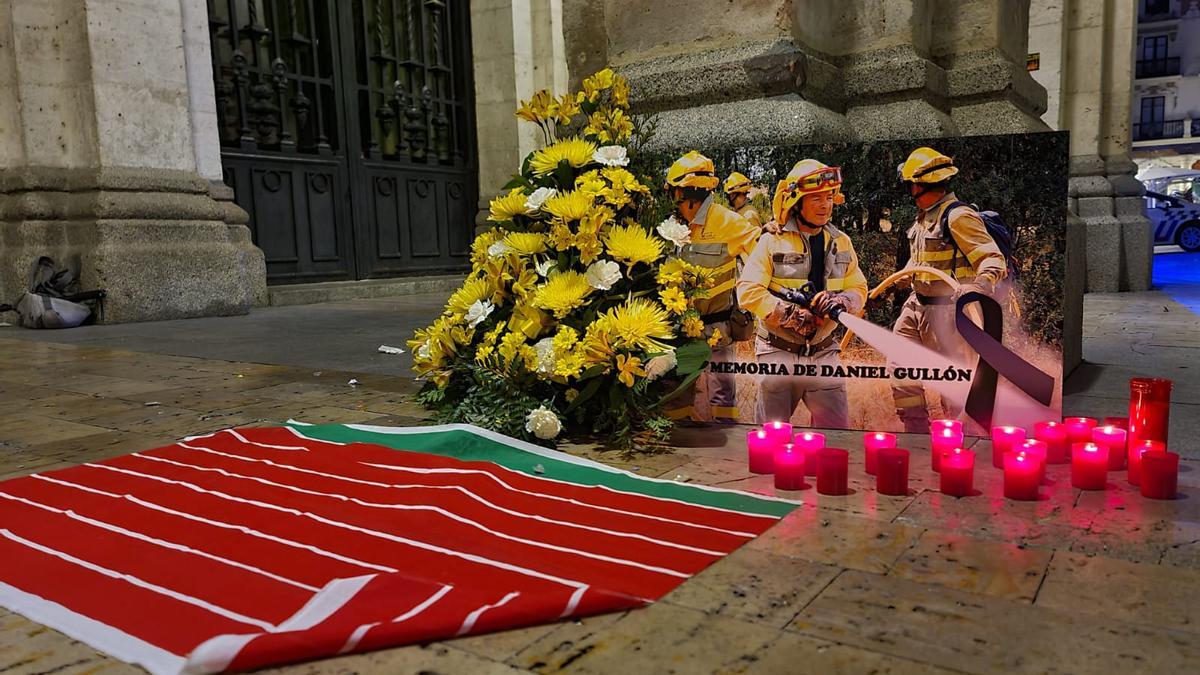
point(1149, 131)
point(1158, 67)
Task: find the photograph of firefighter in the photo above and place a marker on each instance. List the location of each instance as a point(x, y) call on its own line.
point(737, 190)
point(794, 280)
point(720, 240)
point(950, 237)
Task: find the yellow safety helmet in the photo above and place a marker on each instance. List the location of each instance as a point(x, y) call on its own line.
point(692, 170)
point(807, 177)
point(736, 184)
point(926, 165)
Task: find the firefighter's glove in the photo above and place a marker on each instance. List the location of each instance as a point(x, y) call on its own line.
point(824, 302)
point(772, 227)
point(791, 322)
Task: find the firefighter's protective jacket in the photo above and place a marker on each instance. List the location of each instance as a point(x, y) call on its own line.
point(977, 259)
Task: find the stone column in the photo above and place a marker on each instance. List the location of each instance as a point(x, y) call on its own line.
point(890, 87)
point(1097, 90)
point(107, 181)
point(982, 44)
point(517, 48)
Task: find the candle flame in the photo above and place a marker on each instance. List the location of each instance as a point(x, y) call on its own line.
point(878, 436)
point(947, 432)
point(761, 434)
point(808, 437)
point(1090, 447)
point(1020, 457)
point(1010, 430)
point(1109, 429)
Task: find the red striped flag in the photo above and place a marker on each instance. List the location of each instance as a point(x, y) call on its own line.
point(251, 547)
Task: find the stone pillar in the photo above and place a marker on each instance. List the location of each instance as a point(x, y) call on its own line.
point(107, 178)
point(891, 87)
point(982, 44)
point(517, 48)
point(1048, 39)
point(1097, 90)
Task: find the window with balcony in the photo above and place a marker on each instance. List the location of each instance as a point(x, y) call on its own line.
point(1152, 124)
point(1155, 9)
point(1153, 60)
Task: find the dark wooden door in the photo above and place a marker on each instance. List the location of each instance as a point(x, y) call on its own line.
point(347, 133)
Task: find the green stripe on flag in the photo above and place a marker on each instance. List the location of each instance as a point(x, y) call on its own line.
point(470, 444)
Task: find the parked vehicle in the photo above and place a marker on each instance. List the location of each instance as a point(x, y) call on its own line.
point(1175, 220)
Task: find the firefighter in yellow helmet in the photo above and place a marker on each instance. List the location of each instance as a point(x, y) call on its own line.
point(737, 188)
point(720, 239)
point(950, 236)
point(806, 249)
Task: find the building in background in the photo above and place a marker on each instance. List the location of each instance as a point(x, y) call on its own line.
point(1166, 100)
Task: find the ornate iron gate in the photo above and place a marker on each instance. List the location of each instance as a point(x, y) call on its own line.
point(347, 132)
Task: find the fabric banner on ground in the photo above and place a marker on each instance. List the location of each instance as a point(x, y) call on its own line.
point(251, 547)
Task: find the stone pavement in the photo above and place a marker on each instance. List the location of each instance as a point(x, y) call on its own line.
point(1077, 582)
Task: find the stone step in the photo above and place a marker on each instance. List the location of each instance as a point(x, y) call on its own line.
point(333, 291)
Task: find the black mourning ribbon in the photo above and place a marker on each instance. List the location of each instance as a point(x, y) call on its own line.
point(994, 360)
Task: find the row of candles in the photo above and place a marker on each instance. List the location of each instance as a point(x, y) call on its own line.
point(1136, 444)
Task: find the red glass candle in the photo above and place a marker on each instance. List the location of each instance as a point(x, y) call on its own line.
point(942, 441)
point(958, 472)
point(833, 466)
point(872, 442)
point(1054, 435)
point(891, 471)
point(761, 449)
point(1118, 422)
point(1149, 406)
point(809, 442)
point(1079, 430)
point(938, 425)
point(1135, 457)
point(1004, 440)
point(1021, 476)
point(780, 433)
point(788, 461)
point(1160, 474)
point(1089, 466)
point(1113, 438)
point(1035, 450)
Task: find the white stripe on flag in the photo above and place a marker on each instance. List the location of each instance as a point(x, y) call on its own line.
point(328, 600)
point(425, 604)
point(448, 514)
point(469, 623)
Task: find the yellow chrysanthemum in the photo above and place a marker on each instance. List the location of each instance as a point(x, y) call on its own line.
point(538, 108)
point(591, 182)
point(576, 152)
point(621, 178)
point(628, 367)
point(632, 244)
point(693, 326)
point(526, 243)
point(472, 291)
point(715, 338)
point(508, 206)
point(569, 206)
point(479, 247)
point(565, 339)
point(561, 237)
point(637, 324)
point(673, 299)
point(569, 364)
point(562, 293)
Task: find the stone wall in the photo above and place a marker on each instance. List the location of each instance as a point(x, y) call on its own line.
point(109, 156)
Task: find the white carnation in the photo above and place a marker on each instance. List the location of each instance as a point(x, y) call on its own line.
point(544, 267)
point(499, 249)
point(425, 351)
point(478, 312)
point(602, 274)
point(534, 201)
point(674, 231)
point(660, 365)
point(545, 356)
point(543, 423)
point(611, 155)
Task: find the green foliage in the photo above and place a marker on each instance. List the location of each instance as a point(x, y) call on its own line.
point(491, 402)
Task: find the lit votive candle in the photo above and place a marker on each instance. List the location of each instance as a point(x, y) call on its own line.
point(1035, 450)
point(1113, 438)
point(1135, 457)
point(942, 441)
point(761, 449)
point(1160, 474)
point(789, 467)
point(778, 432)
point(833, 466)
point(937, 425)
point(1004, 440)
point(1118, 422)
point(1054, 435)
point(958, 472)
point(1021, 476)
point(1079, 430)
point(809, 442)
point(1089, 466)
point(872, 442)
point(891, 472)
